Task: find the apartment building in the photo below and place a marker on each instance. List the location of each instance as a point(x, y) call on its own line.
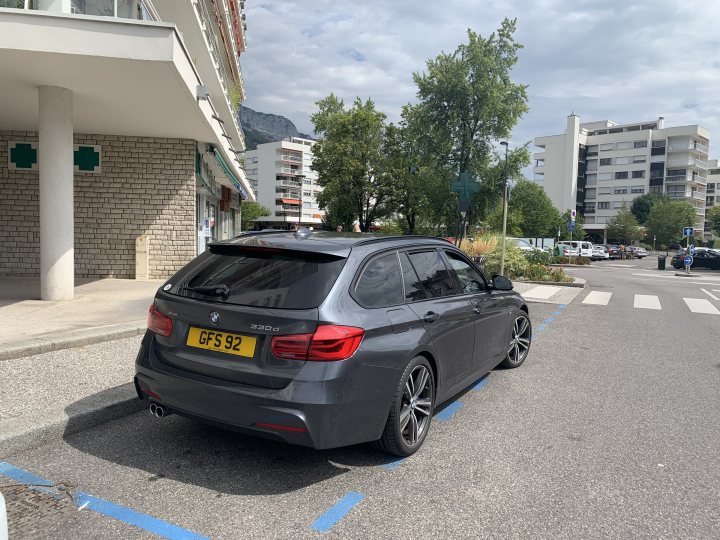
point(599, 167)
point(712, 197)
point(118, 136)
point(282, 179)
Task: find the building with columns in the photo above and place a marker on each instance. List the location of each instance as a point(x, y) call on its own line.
point(597, 168)
point(118, 136)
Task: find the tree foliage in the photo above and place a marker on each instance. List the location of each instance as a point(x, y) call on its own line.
point(540, 218)
point(467, 99)
point(667, 219)
point(624, 227)
point(349, 158)
point(642, 205)
point(714, 217)
point(249, 212)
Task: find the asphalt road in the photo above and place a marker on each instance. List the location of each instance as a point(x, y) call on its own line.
point(610, 429)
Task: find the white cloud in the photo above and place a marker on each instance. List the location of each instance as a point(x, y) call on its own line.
point(604, 60)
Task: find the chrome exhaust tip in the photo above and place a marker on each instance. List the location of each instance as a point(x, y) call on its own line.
point(160, 411)
point(153, 409)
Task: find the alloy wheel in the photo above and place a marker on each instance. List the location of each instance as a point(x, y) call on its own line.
point(520, 341)
point(416, 406)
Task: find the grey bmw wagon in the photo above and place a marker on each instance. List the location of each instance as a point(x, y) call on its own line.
point(327, 339)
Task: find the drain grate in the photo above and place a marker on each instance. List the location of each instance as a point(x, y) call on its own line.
point(32, 510)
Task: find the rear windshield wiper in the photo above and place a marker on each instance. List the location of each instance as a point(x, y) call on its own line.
point(209, 290)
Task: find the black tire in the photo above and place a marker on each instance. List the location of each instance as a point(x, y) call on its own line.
point(397, 438)
point(520, 340)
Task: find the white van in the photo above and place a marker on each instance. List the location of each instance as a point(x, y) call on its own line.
point(576, 248)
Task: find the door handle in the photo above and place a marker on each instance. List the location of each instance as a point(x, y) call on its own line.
point(431, 317)
point(477, 310)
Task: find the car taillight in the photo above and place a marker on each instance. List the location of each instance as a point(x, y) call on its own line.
point(158, 322)
point(329, 342)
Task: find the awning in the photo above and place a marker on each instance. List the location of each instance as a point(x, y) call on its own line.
point(228, 172)
point(290, 201)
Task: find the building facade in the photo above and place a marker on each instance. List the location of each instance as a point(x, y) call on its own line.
point(117, 129)
point(712, 197)
point(282, 178)
point(597, 168)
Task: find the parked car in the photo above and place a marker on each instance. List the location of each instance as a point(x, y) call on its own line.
point(703, 258)
point(326, 340)
point(577, 248)
point(636, 252)
point(524, 245)
point(613, 251)
point(599, 253)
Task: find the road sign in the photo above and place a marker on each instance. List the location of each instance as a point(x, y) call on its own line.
point(571, 226)
point(692, 249)
point(687, 231)
point(573, 213)
point(687, 261)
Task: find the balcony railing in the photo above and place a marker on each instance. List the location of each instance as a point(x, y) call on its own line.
point(288, 157)
point(288, 170)
point(290, 184)
point(692, 145)
point(689, 162)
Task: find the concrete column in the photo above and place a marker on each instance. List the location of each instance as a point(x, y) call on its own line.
point(57, 225)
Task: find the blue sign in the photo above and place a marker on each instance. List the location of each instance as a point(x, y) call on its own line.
point(692, 249)
point(571, 226)
point(687, 231)
point(688, 260)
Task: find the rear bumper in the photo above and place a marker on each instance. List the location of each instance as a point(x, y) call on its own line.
point(327, 405)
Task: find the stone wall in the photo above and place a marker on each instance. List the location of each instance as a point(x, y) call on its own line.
point(146, 186)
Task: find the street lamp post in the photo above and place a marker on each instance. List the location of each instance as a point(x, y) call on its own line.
point(505, 210)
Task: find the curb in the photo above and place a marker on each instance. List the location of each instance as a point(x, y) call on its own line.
point(55, 342)
point(113, 404)
point(579, 283)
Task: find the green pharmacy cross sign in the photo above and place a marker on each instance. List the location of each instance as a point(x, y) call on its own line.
point(86, 158)
point(464, 187)
point(22, 156)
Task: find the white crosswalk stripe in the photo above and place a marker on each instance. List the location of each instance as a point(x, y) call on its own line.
point(598, 298)
point(646, 301)
point(542, 292)
point(701, 305)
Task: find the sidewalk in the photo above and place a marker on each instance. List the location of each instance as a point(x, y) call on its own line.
point(49, 385)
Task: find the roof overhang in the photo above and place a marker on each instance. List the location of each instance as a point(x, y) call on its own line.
point(132, 78)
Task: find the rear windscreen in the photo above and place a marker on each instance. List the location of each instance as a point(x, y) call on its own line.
point(267, 279)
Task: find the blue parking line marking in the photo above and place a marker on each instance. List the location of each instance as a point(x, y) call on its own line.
point(449, 411)
point(338, 511)
point(101, 506)
point(22, 476)
point(394, 464)
point(549, 320)
point(540, 327)
point(131, 517)
point(562, 306)
point(556, 313)
point(481, 383)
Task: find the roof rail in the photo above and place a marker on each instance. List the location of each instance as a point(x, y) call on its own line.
point(403, 237)
point(264, 231)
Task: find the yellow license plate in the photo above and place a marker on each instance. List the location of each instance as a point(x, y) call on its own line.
point(225, 342)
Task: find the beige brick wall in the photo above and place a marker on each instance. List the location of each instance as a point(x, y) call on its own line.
point(147, 186)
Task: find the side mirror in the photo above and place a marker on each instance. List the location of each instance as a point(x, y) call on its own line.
point(501, 283)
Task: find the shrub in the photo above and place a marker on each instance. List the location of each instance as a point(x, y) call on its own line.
point(481, 246)
point(516, 265)
point(571, 260)
point(538, 257)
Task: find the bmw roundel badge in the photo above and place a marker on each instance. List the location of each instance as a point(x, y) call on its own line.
point(214, 317)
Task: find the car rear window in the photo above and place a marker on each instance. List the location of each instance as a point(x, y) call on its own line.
point(277, 279)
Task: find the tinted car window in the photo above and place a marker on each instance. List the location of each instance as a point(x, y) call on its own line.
point(434, 276)
point(470, 279)
point(413, 288)
point(269, 279)
point(380, 283)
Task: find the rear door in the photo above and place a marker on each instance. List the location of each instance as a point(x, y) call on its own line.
point(226, 310)
point(447, 316)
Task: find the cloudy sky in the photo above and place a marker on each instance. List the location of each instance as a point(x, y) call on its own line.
point(623, 60)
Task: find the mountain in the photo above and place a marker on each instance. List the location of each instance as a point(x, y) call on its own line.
point(259, 127)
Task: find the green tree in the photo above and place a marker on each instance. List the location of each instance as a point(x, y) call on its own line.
point(349, 158)
point(667, 219)
point(713, 217)
point(642, 205)
point(467, 100)
point(515, 219)
point(540, 218)
point(249, 212)
point(624, 227)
